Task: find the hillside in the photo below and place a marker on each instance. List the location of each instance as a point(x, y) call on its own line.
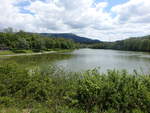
point(30, 41)
point(130, 44)
point(74, 37)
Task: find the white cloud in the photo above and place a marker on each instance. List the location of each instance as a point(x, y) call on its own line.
point(83, 17)
point(132, 10)
point(101, 5)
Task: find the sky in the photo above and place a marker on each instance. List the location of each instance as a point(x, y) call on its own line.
point(106, 20)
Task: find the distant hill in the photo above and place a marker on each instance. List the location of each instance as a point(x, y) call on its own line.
point(130, 44)
point(74, 37)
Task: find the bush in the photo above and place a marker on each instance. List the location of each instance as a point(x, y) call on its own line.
point(7, 101)
point(61, 92)
point(116, 90)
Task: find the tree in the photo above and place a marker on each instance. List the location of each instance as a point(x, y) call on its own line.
point(22, 44)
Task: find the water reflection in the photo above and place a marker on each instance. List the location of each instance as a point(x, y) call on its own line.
point(36, 60)
point(84, 59)
point(107, 59)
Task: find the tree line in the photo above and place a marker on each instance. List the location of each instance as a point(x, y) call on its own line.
point(30, 41)
point(131, 44)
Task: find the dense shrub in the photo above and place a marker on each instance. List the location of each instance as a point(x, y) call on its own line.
point(57, 91)
point(114, 90)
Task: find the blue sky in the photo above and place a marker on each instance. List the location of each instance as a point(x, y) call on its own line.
point(22, 6)
point(111, 3)
point(106, 20)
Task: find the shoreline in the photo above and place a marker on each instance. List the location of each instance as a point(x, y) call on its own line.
point(34, 53)
point(24, 54)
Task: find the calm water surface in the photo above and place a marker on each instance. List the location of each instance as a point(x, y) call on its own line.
point(84, 59)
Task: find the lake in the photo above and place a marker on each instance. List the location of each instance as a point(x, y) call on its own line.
point(84, 59)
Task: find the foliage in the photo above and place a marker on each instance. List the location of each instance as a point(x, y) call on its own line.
point(57, 91)
point(131, 44)
point(29, 41)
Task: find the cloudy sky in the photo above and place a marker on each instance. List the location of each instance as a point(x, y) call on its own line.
point(106, 20)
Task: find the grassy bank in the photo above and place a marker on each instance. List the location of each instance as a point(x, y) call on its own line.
point(56, 91)
point(6, 52)
point(23, 52)
point(9, 52)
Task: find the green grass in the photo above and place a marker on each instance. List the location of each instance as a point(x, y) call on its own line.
point(9, 52)
point(56, 91)
point(6, 52)
point(22, 51)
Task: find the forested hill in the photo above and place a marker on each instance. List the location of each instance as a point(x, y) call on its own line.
point(30, 41)
point(131, 44)
point(74, 37)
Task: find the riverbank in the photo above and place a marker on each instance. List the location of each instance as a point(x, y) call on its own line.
point(6, 53)
point(23, 54)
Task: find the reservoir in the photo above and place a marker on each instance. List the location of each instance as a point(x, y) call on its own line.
point(85, 59)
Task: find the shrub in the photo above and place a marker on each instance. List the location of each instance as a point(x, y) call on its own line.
point(68, 92)
point(117, 90)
